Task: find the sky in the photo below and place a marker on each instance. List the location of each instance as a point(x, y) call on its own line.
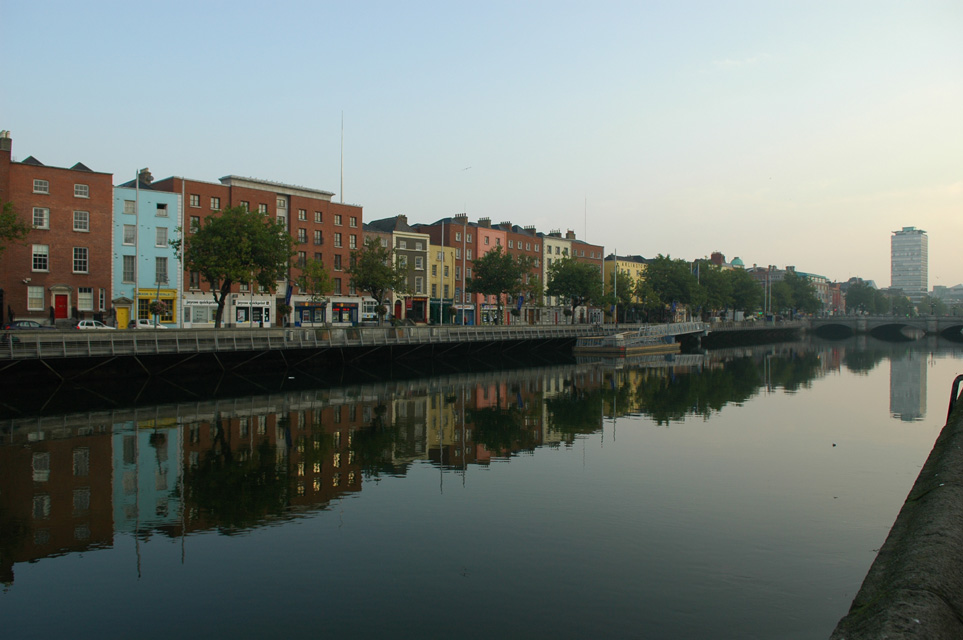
point(785, 133)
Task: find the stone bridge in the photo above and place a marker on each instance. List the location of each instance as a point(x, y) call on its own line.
point(945, 326)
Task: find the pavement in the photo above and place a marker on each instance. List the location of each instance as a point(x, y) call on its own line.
point(914, 589)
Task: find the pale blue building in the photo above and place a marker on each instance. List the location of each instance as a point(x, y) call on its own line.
point(145, 266)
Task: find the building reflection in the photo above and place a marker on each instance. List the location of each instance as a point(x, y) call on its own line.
point(71, 483)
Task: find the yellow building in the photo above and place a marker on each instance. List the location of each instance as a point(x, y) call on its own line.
point(441, 282)
point(632, 266)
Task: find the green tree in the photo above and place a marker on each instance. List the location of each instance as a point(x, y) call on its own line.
point(673, 282)
point(578, 282)
point(860, 297)
point(745, 292)
point(716, 286)
point(499, 274)
point(315, 281)
point(373, 270)
point(236, 246)
point(620, 290)
point(803, 294)
point(932, 306)
point(12, 228)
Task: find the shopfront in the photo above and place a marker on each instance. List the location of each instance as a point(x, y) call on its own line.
point(307, 313)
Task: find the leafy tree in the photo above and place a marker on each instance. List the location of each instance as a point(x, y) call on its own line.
point(12, 228)
point(716, 285)
point(236, 246)
point(745, 292)
point(499, 273)
point(373, 270)
point(620, 290)
point(861, 297)
point(803, 293)
point(780, 296)
point(579, 282)
point(673, 282)
point(315, 281)
point(932, 306)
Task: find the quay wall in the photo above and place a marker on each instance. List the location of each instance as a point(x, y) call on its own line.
point(914, 589)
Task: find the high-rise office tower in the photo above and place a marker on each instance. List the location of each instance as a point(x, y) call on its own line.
point(908, 262)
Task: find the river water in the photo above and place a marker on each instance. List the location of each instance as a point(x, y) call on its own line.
point(734, 494)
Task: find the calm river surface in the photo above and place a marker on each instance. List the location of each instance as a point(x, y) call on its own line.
point(739, 494)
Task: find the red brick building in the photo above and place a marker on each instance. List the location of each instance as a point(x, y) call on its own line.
point(323, 230)
point(63, 269)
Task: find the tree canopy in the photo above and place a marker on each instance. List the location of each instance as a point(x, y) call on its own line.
point(12, 228)
point(672, 282)
point(499, 273)
point(578, 282)
point(236, 246)
point(374, 271)
point(315, 281)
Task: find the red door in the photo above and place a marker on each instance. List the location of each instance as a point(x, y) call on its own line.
point(60, 306)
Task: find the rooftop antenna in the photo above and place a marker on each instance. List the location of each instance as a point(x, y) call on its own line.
point(342, 156)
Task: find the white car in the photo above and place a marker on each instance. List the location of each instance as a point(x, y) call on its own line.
point(92, 324)
point(144, 323)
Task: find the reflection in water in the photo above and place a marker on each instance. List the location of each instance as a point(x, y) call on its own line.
point(69, 483)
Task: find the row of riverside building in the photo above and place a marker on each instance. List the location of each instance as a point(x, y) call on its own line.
point(101, 251)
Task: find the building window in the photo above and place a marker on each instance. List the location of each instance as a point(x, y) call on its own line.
point(262, 208)
point(402, 244)
point(457, 253)
point(302, 235)
point(81, 221)
point(195, 224)
point(458, 236)
point(130, 207)
point(353, 241)
point(468, 272)
point(130, 234)
point(129, 263)
point(337, 286)
point(160, 270)
point(161, 239)
point(80, 259)
point(384, 242)
point(419, 263)
point(446, 270)
point(511, 244)
point(337, 262)
point(434, 270)
point(41, 257)
point(318, 238)
point(354, 221)
point(302, 259)
point(282, 203)
point(337, 219)
point(161, 210)
point(245, 205)
point(487, 239)
point(434, 291)
point(215, 203)
point(446, 291)
point(337, 239)
point(195, 280)
point(81, 191)
point(35, 298)
point(467, 237)
point(41, 186)
point(102, 299)
point(467, 254)
point(498, 241)
point(85, 298)
point(419, 285)
point(195, 200)
point(41, 218)
point(317, 216)
point(302, 214)
point(317, 257)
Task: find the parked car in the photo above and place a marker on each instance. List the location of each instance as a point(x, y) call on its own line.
point(28, 325)
point(144, 323)
point(92, 324)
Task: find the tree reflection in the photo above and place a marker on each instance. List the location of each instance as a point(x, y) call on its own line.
point(576, 411)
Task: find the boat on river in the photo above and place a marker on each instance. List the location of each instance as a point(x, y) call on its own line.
point(628, 343)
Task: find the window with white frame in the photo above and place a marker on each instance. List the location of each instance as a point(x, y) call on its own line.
point(317, 216)
point(81, 191)
point(161, 210)
point(337, 239)
point(402, 244)
point(446, 290)
point(458, 236)
point(467, 237)
point(85, 298)
point(434, 290)
point(35, 298)
point(457, 253)
point(244, 204)
point(161, 237)
point(353, 241)
point(130, 234)
point(195, 199)
point(318, 237)
point(80, 260)
point(511, 244)
point(419, 284)
point(434, 270)
point(41, 186)
point(303, 215)
point(468, 272)
point(130, 207)
point(302, 235)
point(215, 203)
point(41, 218)
point(194, 224)
point(262, 208)
point(41, 257)
point(419, 263)
point(354, 221)
point(102, 299)
point(403, 261)
point(487, 239)
point(337, 262)
point(467, 254)
point(81, 221)
point(160, 270)
point(282, 203)
point(384, 242)
point(130, 262)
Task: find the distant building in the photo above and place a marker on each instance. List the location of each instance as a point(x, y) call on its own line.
point(908, 262)
point(410, 249)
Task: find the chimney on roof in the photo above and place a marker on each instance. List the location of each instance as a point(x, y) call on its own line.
point(530, 228)
point(555, 233)
point(485, 222)
point(403, 219)
point(717, 258)
point(461, 218)
point(144, 177)
point(570, 235)
point(506, 224)
point(6, 142)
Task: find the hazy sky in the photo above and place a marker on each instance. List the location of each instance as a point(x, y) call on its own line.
point(788, 133)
